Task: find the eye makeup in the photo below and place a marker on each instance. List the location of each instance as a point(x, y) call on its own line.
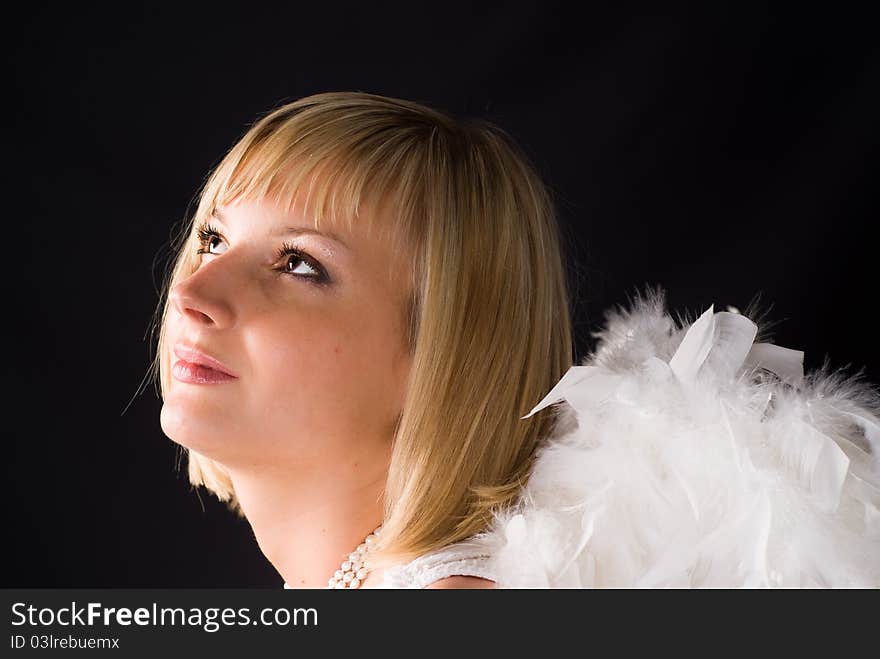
point(287, 254)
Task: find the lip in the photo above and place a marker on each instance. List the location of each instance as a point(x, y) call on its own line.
point(193, 357)
point(185, 371)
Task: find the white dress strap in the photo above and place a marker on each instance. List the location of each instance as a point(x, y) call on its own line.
point(466, 558)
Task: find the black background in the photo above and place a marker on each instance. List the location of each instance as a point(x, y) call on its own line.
point(719, 154)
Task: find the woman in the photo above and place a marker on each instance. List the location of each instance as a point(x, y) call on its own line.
point(366, 308)
point(354, 267)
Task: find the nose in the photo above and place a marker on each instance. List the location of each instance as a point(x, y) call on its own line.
point(199, 298)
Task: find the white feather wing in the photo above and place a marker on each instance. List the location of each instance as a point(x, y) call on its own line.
point(694, 457)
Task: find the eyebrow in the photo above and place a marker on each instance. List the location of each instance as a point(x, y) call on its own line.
point(293, 230)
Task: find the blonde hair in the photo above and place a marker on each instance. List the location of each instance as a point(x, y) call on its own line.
point(488, 323)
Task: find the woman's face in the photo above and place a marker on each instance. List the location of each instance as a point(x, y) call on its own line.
point(315, 340)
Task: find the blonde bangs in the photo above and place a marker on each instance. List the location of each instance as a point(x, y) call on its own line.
point(336, 175)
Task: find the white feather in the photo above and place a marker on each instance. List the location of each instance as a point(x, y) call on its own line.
point(693, 457)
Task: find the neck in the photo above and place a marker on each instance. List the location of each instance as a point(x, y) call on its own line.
point(307, 521)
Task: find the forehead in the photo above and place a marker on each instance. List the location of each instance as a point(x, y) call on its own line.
point(259, 216)
point(332, 213)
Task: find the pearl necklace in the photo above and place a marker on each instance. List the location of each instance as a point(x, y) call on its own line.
point(355, 569)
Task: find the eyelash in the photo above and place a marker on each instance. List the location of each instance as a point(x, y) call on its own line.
point(206, 233)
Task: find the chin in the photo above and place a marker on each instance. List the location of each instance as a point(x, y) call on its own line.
point(204, 433)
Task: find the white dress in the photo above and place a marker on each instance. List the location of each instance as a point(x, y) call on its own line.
point(468, 558)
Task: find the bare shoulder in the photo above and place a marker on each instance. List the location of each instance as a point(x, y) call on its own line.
point(462, 582)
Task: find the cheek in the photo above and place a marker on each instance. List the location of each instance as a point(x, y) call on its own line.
point(305, 370)
point(324, 373)
point(298, 352)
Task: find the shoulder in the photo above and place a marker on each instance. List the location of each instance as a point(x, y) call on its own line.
point(461, 582)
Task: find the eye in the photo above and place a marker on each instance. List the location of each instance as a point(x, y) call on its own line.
point(294, 261)
point(207, 235)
